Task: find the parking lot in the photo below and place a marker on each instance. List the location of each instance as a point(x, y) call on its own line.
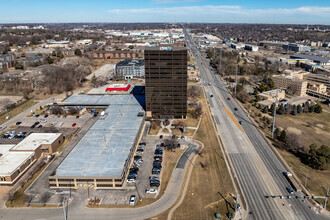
point(27, 125)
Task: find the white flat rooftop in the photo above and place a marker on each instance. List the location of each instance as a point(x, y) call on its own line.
point(34, 140)
point(10, 161)
point(104, 149)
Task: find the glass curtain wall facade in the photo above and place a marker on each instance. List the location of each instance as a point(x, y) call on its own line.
point(166, 82)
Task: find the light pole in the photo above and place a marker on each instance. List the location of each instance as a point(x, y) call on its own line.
point(306, 175)
point(326, 197)
point(236, 80)
point(274, 114)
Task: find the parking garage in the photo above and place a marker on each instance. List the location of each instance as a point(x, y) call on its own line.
point(102, 157)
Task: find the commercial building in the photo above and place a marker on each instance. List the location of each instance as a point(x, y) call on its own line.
point(103, 156)
point(56, 44)
point(193, 73)
point(118, 88)
point(128, 69)
point(324, 61)
point(297, 47)
point(17, 159)
point(292, 86)
point(318, 78)
point(251, 48)
point(114, 56)
point(271, 95)
point(166, 82)
point(7, 61)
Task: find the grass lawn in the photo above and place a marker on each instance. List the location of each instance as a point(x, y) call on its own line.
point(20, 108)
point(320, 134)
point(315, 179)
point(210, 185)
point(306, 135)
point(154, 127)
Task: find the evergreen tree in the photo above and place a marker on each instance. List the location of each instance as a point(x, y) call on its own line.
point(318, 108)
point(281, 110)
point(312, 108)
point(283, 136)
point(265, 110)
point(277, 132)
point(299, 109)
point(294, 110)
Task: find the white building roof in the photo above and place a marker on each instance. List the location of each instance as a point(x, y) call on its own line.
point(33, 141)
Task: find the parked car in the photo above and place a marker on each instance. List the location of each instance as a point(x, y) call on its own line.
point(158, 152)
point(60, 123)
point(2, 127)
point(154, 184)
point(228, 98)
point(53, 123)
point(152, 191)
point(235, 109)
point(74, 124)
point(160, 136)
point(18, 123)
point(40, 126)
point(130, 181)
point(140, 150)
point(52, 116)
point(211, 95)
point(45, 116)
point(155, 171)
point(132, 200)
point(43, 120)
point(77, 116)
point(64, 116)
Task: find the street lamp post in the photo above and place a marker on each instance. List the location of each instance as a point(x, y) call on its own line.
point(326, 197)
point(306, 175)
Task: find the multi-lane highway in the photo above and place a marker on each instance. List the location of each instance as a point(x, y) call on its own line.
point(256, 167)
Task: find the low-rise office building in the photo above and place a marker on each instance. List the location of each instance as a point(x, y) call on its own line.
point(128, 69)
point(292, 86)
point(319, 78)
point(15, 160)
point(297, 47)
point(271, 95)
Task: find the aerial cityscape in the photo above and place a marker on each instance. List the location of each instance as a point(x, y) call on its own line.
point(165, 110)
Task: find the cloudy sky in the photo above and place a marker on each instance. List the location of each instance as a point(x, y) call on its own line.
point(213, 11)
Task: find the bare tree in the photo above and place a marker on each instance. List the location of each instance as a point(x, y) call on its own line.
point(45, 197)
point(171, 144)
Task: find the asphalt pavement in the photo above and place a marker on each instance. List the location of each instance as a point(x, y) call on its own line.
point(256, 167)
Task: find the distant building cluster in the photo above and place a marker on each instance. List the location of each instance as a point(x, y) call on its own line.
point(7, 61)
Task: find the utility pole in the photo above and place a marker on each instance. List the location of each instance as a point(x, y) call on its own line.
point(220, 60)
point(236, 80)
point(306, 175)
point(274, 113)
point(326, 199)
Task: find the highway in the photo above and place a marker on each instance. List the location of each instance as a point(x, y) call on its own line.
point(256, 167)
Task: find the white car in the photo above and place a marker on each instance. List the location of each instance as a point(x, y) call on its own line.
point(2, 127)
point(130, 181)
point(132, 200)
point(60, 124)
point(43, 120)
point(52, 116)
point(53, 123)
point(153, 191)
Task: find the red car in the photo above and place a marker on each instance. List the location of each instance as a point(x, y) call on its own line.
point(228, 98)
point(74, 124)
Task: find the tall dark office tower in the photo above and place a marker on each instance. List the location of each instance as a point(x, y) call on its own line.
point(166, 82)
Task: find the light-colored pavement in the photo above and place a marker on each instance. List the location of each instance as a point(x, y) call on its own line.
point(257, 169)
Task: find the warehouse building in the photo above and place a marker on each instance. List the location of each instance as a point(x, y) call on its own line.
point(297, 47)
point(102, 157)
point(15, 160)
point(128, 69)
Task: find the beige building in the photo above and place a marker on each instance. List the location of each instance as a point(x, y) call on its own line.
point(318, 78)
point(317, 87)
point(292, 86)
point(15, 160)
point(271, 95)
point(295, 74)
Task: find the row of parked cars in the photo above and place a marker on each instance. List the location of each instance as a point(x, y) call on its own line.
point(133, 171)
point(157, 165)
point(13, 135)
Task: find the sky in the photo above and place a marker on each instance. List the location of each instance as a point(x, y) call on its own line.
point(195, 11)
